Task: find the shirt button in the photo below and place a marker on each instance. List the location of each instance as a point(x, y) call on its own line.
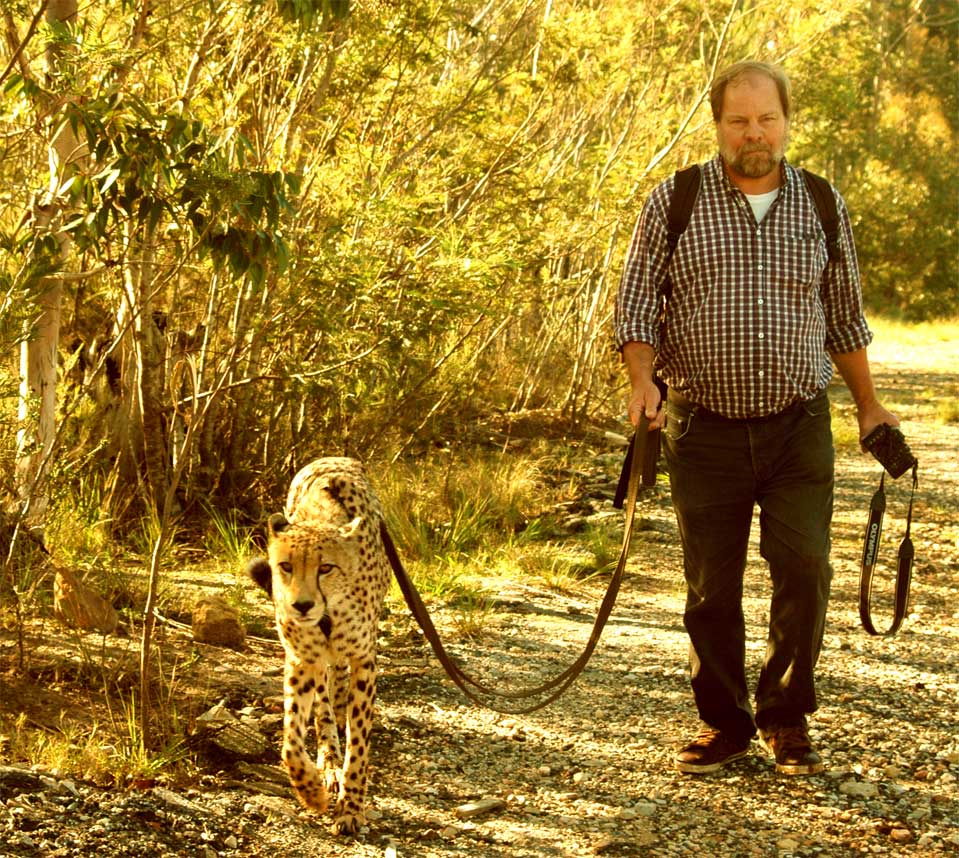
point(762, 336)
point(761, 373)
point(760, 267)
point(761, 301)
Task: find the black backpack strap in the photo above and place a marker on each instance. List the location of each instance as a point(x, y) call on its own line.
point(825, 200)
point(685, 193)
point(686, 185)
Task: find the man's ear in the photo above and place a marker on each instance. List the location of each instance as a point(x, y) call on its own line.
point(260, 572)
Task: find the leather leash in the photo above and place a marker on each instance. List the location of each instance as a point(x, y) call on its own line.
point(484, 695)
point(870, 551)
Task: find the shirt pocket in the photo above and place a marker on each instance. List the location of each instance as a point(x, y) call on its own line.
point(801, 262)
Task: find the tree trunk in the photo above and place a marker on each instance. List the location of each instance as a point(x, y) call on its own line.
point(38, 404)
point(38, 354)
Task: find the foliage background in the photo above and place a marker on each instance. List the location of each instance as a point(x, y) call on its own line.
point(307, 228)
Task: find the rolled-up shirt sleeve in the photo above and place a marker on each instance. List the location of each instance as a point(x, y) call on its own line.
point(841, 290)
point(640, 298)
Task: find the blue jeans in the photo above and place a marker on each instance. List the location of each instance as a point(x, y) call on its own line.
point(719, 469)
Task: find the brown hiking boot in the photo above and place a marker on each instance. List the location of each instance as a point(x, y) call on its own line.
point(792, 749)
point(709, 752)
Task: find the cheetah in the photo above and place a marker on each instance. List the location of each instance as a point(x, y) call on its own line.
point(327, 574)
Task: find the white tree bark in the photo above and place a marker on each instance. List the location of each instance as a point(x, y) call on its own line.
point(38, 354)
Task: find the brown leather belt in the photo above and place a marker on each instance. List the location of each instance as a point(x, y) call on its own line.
point(715, 417)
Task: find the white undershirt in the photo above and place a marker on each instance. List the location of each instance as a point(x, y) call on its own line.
point(761, 203)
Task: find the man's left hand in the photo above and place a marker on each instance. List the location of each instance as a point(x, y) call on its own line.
point(872, 416)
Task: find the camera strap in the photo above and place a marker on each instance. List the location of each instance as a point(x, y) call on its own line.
point(870, 553)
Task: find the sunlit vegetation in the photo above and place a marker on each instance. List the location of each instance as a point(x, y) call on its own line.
point(263, 232)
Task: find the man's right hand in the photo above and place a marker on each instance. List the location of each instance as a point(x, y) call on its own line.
point(646, 399)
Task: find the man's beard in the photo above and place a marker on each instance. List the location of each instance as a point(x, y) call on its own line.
point(754, 160)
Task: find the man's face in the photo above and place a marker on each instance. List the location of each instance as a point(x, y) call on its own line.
point(752, 130)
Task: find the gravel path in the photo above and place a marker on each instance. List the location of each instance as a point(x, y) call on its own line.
point(592, 773)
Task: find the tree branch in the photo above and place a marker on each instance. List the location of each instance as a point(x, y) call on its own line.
point(17, 55)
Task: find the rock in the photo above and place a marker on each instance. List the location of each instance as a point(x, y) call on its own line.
point(625, 846)
point(14, 780)
point(614, 439)
point(478, 808)
point(229, 735)
point(901, 835)
point(271, 723)
point(860, 789)
point(79, 607)
point(273, 774)
point(216, 623)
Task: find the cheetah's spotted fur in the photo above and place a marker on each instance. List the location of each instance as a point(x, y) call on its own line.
point(327, 574)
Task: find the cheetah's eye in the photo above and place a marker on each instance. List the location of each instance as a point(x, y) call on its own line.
point(325, 568)
point(286, 567)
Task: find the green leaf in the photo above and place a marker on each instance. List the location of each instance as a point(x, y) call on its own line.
point(109, 179)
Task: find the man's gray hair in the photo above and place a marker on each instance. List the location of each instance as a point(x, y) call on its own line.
point(750, 67)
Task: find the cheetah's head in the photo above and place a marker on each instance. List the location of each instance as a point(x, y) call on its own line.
point(306, 566)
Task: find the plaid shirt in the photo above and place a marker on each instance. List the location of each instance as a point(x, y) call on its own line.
point(754, 309)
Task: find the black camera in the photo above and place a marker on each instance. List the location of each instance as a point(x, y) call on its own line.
point(888, 445)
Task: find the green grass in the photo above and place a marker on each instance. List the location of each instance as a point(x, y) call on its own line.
point(444, 510)
point(461, 528)
point(889, 330)
point(77, 525)
point(845, 428)
point(932, 345)
point(947, 410)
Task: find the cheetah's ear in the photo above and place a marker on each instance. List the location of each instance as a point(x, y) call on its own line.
point(259, 570)
point(348, 531)
point(278, 523)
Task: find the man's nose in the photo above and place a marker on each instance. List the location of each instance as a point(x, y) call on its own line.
point(754, 131)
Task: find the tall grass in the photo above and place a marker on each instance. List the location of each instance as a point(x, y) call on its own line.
point(442, 510)
point(466, 527)
point(933, 346)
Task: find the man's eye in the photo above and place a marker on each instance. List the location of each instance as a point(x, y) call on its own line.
point(325, 568)
point(286, 567)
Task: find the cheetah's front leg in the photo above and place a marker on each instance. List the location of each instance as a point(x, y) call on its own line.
point(299, 688)
point(329, 756)
point(348, 815)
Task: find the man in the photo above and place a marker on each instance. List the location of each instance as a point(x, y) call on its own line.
point(754, 314)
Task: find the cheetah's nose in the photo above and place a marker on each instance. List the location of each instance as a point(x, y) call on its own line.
point(303, 606)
